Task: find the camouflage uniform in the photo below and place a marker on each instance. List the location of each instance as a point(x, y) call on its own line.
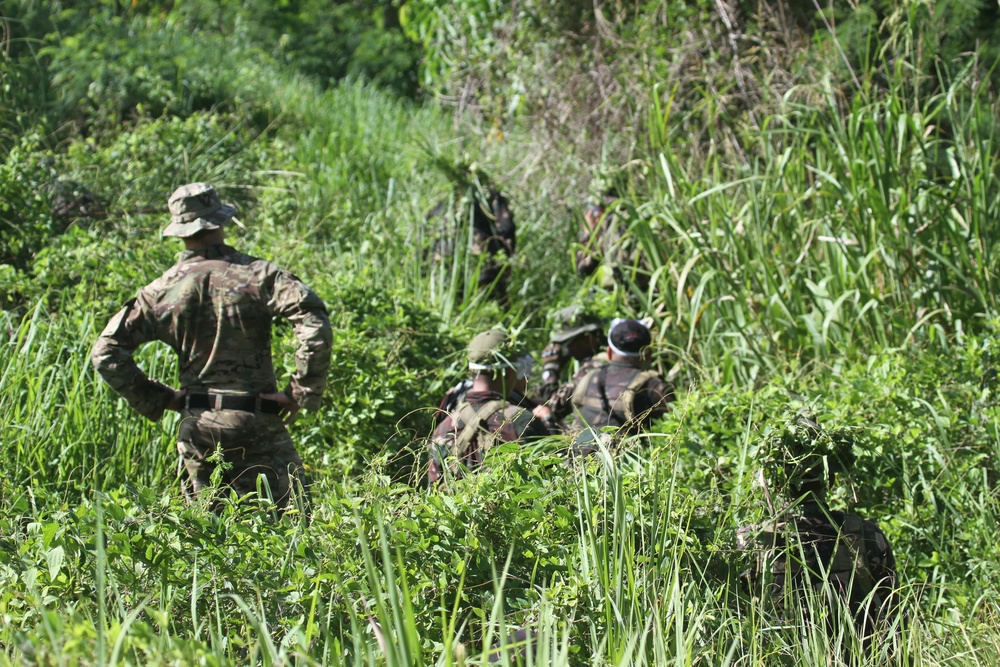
point(482, 418)
point(456, 395)
point(567, 341)
point(824, 554)
point(494, 240)
point(605, 245)
point(498, 421)
point(561, 400)
point(811, 558)
point(619, 393)
point(215, 308)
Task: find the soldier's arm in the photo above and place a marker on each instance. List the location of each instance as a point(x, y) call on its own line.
point(654, 398)
point(292, 300)
point(552, 363)
point(113, 357)
point(561, 401)
point(588, 256)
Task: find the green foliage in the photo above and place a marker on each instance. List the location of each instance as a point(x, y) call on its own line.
point(808, 241)
point(26, 217)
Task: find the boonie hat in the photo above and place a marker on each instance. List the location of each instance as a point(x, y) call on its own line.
point(196, 207)
point(628, 337)
point(571, 322)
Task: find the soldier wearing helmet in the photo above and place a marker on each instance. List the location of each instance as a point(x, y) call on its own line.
point(215, 308)
point(485, 416)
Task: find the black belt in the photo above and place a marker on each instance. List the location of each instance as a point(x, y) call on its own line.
point(229, 402)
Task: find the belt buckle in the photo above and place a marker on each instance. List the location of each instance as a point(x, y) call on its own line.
point(216, 401)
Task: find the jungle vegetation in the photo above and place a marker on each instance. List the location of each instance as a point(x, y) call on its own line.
point(812, 187)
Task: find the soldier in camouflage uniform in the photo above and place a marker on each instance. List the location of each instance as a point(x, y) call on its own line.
point(606, 248)
point(810, 557)
point(494, 237)
point(485, 416)
point(577, 335)
point(215, 308)
point(622, 393)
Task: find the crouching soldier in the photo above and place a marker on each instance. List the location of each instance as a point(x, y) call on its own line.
point(577, 335)
point(623, 393)
point(485, 416)
point(809, 561)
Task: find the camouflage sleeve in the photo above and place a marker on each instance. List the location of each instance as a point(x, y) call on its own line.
point(654, 399)
point(439, 447)
point(552, 363)
point(561, 401)
point(507, 232)
point(113, 358)
point(291, 299)
point(587, 258)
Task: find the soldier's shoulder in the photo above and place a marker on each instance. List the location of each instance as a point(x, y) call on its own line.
point(445, 428)
point(870, 530)
point(513, 412)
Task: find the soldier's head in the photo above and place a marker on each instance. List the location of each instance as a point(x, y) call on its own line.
point(628, 340)
point(801, 458)
point(578, 332)
point(496, 363)
point(197, 214)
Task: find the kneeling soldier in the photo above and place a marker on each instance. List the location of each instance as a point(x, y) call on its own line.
point(810, 558)
point(485, 416)
point(622, 393)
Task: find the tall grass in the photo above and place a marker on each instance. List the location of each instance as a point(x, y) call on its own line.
point(858, 226)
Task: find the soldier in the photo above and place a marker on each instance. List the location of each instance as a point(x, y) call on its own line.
point(577, 335)
point(214, 307)
point(621, 393)
point(485, 416)
point(809, 557)
point(494, 237)
point(518, 395)
point(606, 247)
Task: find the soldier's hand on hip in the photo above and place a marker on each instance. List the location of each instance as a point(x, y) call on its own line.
point(289, 408)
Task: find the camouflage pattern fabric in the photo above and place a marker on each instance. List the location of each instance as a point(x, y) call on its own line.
point(507, 424)
point(818, 553)
point(606, 246)
point(215, 308)
point(560, 400)
point(600, 398)
point(494, 240)
point(252, 444)
point(456, 395)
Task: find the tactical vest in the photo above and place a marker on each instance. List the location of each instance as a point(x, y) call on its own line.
point(593, 407)
point(474, 429)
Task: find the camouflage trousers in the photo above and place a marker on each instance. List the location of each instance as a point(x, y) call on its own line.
point(257, 451)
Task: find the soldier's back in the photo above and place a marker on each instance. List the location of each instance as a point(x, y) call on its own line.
point(479, 422)
point(824, 557)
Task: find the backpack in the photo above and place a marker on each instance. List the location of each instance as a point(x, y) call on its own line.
point(830, 555)
point(625, 402)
